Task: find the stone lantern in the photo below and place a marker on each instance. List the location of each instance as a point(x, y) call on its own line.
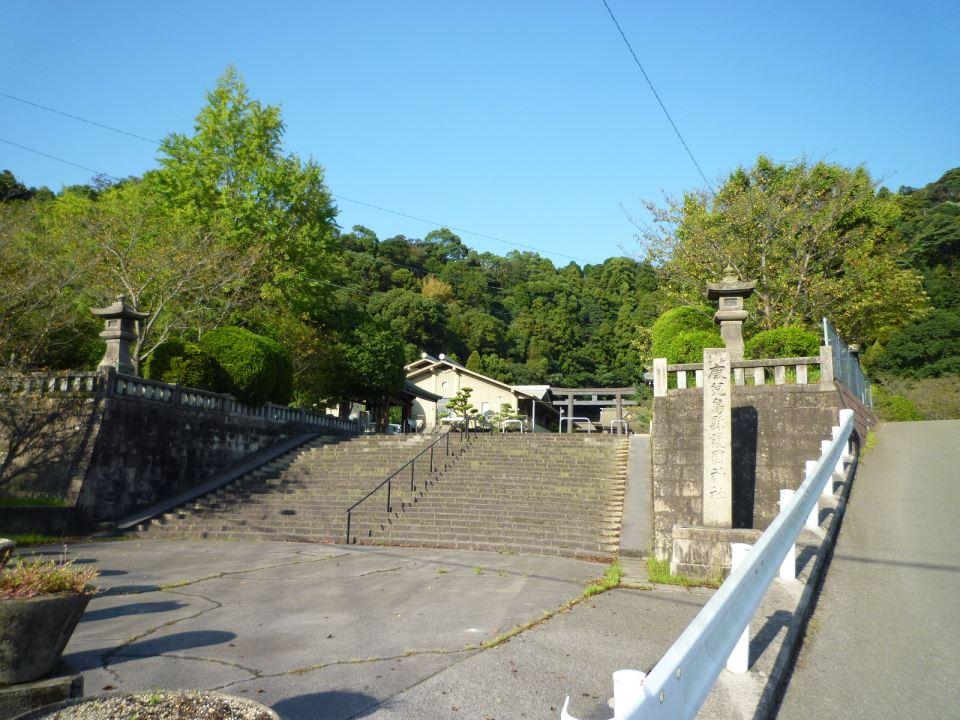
point(119, 331)
point(730, 294)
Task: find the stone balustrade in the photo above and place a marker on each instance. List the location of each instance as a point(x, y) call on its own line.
point(113, 384)
point(779, 371)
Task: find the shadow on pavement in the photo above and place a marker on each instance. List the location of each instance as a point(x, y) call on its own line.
point(132, 609)
point(331, 705)
point(148, 647)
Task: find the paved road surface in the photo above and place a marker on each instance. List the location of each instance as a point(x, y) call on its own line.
point(884, 641)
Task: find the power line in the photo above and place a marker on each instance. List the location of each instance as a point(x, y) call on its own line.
point(79, 119)
point(339, 197)
point(59, 159)
point(657, 95)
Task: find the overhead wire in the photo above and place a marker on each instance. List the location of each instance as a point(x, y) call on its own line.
point(657, 95)
point(364, 203)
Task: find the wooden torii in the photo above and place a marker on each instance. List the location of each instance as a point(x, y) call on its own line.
point(571, 397)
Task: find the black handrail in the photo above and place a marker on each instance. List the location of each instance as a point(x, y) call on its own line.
point(388, 481)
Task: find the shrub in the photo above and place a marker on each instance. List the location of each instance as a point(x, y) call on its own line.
point(893, 408)
point(24, 580)
point(259, 368)
point(935, 398)
point(687, 347)
point(675, 322)
point(789, 341)
point(158, 363)
point(186, 364)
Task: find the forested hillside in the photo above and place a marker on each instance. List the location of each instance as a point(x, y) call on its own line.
point(231, 230)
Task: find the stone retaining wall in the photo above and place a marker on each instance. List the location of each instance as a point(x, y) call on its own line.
point(776, 429)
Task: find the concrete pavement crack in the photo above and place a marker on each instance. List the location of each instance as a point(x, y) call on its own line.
point(385, 570)
point(352, 661)
point(115, 650)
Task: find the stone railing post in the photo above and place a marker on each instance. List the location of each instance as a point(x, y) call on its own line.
point(826, 367)
point(659, 377)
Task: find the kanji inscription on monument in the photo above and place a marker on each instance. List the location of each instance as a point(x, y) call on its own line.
point(717, 447)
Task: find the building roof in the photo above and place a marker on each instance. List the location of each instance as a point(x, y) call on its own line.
point(540, 392)
point(428, 363)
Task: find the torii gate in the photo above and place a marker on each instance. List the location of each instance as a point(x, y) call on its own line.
point(595, 397)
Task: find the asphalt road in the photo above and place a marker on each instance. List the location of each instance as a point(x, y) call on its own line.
point(884, 640)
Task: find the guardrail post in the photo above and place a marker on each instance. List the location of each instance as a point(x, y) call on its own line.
point(739, 660)
point(627, 691)
point(828, 487)
point(413, 465)
point(810, 468)
point(389, 489)
point(839, 468)
point(788, 568)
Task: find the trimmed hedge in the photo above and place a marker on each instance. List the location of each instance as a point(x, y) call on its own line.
point(183, 363)
point(259, 368)
point(677, 321)
point(687, 347)
point(789, 341)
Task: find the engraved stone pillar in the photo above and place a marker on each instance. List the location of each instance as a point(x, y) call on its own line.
point(730, 294)
point(119, 331)
point(717, 439)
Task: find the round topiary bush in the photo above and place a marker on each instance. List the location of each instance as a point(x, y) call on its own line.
point(259, 368)
point(675, 322)
point(158, 362)
point(789, 341)
point(186, 364)
point(687, 347)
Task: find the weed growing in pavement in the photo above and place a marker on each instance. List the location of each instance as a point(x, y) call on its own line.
point(658, 571)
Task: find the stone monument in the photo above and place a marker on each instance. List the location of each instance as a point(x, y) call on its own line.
point(717, 439)
point(730, 294)
point(119, 331)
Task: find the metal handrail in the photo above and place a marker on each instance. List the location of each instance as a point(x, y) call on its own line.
point(620, 424)
point(503, 425)
point(388, 481)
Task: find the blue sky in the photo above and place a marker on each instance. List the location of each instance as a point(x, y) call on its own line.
point(527, 121)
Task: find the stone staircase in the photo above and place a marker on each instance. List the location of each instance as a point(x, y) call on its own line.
point(302, 495)
point(530, 493)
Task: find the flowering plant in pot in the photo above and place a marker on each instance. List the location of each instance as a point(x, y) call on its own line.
point(41, 602)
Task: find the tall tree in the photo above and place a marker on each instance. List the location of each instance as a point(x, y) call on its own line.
point(232, 178)
point(817, 238)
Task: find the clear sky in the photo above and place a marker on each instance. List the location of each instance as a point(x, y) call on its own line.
point(524, 120)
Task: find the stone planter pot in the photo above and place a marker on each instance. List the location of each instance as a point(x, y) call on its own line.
point(48, 710)
point(33, 633)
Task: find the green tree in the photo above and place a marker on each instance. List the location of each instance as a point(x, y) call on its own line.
point(474, 362)
point(232, 179)
point(816, 237)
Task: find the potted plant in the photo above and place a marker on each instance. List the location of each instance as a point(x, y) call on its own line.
point(41, 602)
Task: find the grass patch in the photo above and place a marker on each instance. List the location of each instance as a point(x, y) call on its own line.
point(34, 501)
point(658, 571)
point(610, 580)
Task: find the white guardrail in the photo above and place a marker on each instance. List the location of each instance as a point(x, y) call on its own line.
point(718, 637)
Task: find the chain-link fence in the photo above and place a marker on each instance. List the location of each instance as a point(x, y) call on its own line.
point(846, 366)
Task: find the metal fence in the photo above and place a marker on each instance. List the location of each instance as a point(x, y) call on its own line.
point(846, 366)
